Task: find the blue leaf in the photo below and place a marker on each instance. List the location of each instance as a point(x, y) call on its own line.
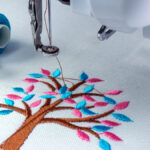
point(47, 96)
point(63, 89)
point(36, 75)
point(104, 145)
point(9, 102)
point(81, 104)
point(101, 128)
point(122, 117)
point(56, 73)
point(6, 112)
point(109, 100)
point(87, 112)
point(89, 89)
point(28, 97)
point(83, 76)
point(18, 89)
point(66, 95)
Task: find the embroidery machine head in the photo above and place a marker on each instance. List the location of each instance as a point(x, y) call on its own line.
point(114, 15)
point(35, 10)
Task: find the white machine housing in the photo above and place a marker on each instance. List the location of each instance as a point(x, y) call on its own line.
point(120, 15)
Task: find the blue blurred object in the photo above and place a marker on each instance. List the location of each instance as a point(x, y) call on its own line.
point(4, 21)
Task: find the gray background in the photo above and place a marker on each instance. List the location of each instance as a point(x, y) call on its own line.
point(123, 62)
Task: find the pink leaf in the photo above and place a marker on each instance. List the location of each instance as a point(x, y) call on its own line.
point(45, 72)
point(69, 100)
point(30, 89)
point(35, 104)
point(110, 123)
point(114, 92)
point(88, 98)
point(77, 113)
point(112, 136)
point(100, 104)
point(83, 136)
point(94, 80)
point(30, 80)
point(13, 97)
point(122, 105)
point(51, 93)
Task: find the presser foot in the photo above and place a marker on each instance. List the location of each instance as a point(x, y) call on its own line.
point(48, 50)
point(105, 33)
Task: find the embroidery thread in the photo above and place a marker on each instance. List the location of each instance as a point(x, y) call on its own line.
point(58, 94)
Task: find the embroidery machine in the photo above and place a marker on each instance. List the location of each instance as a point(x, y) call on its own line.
point(114, 15)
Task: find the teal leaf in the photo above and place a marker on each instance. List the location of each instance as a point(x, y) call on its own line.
point(47, 96)
point(109, 100)
point(89, 89)
point(101, 128)
point(81, 104)
point(28, 97)
point(122, 117)
point(6, 112)
point(36, 75)
point(83, 76)
point(66, 95)
point(87, 112)
point(104, 145)
point(18, 89)
point(9, 102)
point(56, 73)
point(63, 89)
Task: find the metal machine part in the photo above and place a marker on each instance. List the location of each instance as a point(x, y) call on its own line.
point(35, 10)
point(104, 33)
point(66, 2)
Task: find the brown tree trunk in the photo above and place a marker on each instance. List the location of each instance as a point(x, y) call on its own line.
point(15, 141)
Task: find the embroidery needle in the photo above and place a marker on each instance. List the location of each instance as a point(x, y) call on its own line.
point(49, 33)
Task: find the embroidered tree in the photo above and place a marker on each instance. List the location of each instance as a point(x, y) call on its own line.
point(62, 94)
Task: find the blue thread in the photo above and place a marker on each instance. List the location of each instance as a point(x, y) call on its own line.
point(81, 104)
point(18, 89)
point(36, 75)
point(89, 89)
point(87, 111)
point(56, 73)
point(6, 112)
point(63, 89)
point(104, 145)
point(66, 95)
point(83, 76)
point(121, 117)
point(109, 100)
point(29, 97)
point(100, 128)
point(4, 21)
point(9, 102)
point(47, 96)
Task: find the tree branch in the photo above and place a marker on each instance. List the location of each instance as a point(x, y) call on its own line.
point(19, 110)
point(69, 108)
point(27, 109)
point(90, 94)
point(69, 125)
point(74, 87)
point(88, 119)
point(47, 102)
point(49, 85)
point(57, 84)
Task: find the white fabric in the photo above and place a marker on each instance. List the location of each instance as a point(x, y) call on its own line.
point(123, 61)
